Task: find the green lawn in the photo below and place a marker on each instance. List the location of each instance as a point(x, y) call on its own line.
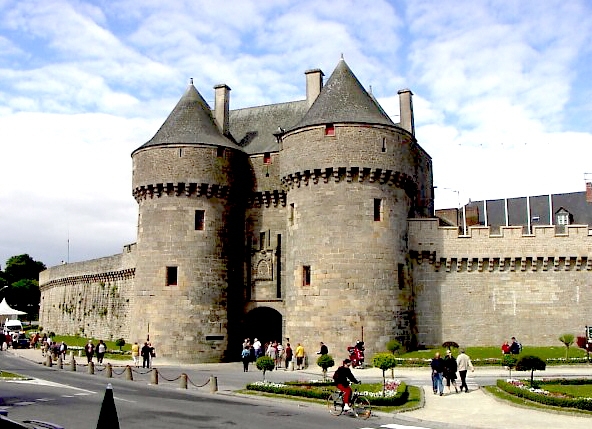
point(483, 353)
point(584, 390)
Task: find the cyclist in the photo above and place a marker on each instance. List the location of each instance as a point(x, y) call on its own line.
point(342, 377)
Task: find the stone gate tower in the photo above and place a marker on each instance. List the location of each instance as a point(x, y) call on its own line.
point(352, 178)
point(189, 246)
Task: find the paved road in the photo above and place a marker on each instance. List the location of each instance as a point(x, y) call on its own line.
point(473, 410)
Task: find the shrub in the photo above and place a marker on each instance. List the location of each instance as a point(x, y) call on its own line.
point(509, 361)
point(325, 361)
point(120, 343)
point(384, 361)
point(265, 363)
point(393, 346)
point(532, 364)
point(567, 340)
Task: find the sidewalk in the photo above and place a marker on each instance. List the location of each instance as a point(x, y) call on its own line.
point(475, 409)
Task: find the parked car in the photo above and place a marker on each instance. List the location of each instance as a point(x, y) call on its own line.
point(21, 342)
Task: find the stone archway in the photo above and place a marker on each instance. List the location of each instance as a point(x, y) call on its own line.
point(263, 323)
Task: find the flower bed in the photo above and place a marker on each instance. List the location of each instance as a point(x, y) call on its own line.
point(396, 392)
point(520, 389)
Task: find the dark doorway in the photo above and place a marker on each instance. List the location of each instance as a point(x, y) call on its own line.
point(265, 324)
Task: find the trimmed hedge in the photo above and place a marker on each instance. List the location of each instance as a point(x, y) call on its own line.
point(322, 391)
point(579, 403)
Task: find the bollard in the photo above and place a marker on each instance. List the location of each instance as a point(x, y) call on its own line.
point(213, 384)
point(73, 364)
point(60, 363)
point(128, 373)
point(183, 381)
point(109, 370)
point(48, 361)
point(291, 365)
point(91, 368)
point(154, 376)
point(71, 353)
point(79, 353)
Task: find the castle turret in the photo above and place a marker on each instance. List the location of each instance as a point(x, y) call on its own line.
point(351, 177)
point(190, 234)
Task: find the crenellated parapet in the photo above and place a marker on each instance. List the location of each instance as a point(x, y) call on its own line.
point(275, 198)
point(510, 251)
point(106, 277)
point(189, 190)
point(350, 174)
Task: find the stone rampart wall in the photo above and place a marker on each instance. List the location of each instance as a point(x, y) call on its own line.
point(481, 289)
point(90, 298)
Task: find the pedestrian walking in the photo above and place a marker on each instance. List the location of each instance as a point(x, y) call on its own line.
point(437, 365)
point(464, 363)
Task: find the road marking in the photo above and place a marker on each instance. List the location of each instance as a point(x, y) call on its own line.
point(396, 426)
point(41, 382)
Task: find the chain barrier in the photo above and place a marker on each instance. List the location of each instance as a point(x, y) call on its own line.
point(128, 369)
point(195, 385)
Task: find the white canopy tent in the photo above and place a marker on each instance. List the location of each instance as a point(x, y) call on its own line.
point(7, 310)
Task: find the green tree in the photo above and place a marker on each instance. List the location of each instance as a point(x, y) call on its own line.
point(120, 343)
point(532, 364)
point(509, 361)
point(265, 363)
point(567, 340)
point(384, 361)
point(394, 346)
point(21, 275)
point(325, 362)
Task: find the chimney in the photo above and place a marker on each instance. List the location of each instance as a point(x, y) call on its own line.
point(406, 110)
point(588, 192)
point(314, 84)
point(221, 109)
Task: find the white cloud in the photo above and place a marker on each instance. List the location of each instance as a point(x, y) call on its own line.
point(502, 94)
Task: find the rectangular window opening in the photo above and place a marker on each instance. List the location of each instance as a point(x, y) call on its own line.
point(200, 220)
point(267, 158)
point(329, 130)
point(292, 214)
point(220, 152)
point(180, 152)
point(171, 276)
point(262, 240)
point(306, 275)
point(401, 276)
point(384, 144)
point(377, 210)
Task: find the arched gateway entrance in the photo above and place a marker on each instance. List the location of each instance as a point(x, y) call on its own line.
point(263, 323)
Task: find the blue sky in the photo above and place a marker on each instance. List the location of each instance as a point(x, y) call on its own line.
point(502, 95)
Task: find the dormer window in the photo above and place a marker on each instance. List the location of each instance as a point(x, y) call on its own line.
point(330, 130)
point(562, 217)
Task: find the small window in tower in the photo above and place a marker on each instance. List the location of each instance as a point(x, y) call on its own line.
point(180, 152)
point(220, 152)
point(171, 273)
point(262, 240)
point(200, 216)
point(329, 130)
point(377, 210)
point(384, 144)
point(267, 158)
point(292, 214)
point(401, 276)
point(306, 275)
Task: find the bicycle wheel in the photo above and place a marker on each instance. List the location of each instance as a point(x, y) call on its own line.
point(335, 404)
point(362, 407)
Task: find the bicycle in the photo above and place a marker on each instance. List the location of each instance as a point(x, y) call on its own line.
point(360, 404)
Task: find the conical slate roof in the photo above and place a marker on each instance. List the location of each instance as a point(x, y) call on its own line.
point(344, 99)
point(190, 122)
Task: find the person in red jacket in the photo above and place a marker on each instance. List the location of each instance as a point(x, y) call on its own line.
point(342, 377)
